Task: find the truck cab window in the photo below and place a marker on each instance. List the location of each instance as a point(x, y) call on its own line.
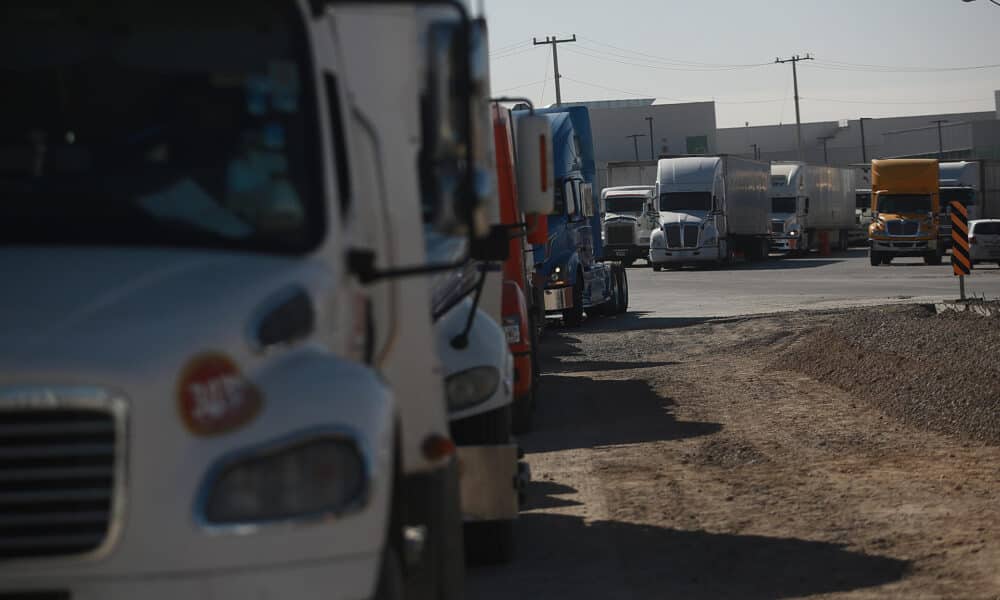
point(155, 134)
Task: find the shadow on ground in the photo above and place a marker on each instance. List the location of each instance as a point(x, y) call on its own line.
point(630, 321)
point(546, 494)
point(581, 412)
point(562, 557)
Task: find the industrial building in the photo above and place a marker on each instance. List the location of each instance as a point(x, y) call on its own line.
point(641, 129)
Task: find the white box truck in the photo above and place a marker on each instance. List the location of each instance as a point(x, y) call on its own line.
point(808, 201)
point(711, 208)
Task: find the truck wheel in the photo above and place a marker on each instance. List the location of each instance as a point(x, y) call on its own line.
point(574, 316)
point(523, 412)
point(489, 542)
point(657, 268)
point(623, 292)
point(886, 260)
point(932, 259)
point(875, 257)
point(390, 577)
point(628, 263)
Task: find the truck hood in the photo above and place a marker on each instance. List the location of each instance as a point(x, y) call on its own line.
point(696, 217)
point(125, 304)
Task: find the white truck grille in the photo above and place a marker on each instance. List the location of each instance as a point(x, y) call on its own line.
point(61, 475)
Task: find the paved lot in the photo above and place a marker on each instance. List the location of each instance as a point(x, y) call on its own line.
point(845, 279)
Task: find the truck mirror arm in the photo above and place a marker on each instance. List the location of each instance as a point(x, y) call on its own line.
point(361, 262)
point(461, 341)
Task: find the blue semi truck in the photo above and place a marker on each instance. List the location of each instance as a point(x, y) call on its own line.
point(573, 274)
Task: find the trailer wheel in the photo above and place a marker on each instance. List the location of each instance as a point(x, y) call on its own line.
point(574, 316)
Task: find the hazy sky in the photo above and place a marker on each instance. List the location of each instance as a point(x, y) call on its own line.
point(696, 50)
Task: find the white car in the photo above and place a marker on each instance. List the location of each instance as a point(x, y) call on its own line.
point(984, 240)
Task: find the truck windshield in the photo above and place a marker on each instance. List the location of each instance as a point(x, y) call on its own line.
point(986, 228)
point(782, 205)
point(167, 124)
point(680, 201)
point(965, 196)
point(625, 204)
point(904, 203)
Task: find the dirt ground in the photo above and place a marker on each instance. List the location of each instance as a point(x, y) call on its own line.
point(678, 458)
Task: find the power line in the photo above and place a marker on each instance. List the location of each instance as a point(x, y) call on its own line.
point(891, 102)
point(673, 61)
point(828, 65)
point(661, 97)
point(590, 54)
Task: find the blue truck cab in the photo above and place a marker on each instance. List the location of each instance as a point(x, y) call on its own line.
point(572, 270)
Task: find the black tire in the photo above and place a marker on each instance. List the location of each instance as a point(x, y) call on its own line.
point(657, 268)
point(875, 258)
point(932, 259)
point(523, 413)
point(628, 263)
point(623, 292)
point(572, 317)
point(489, 542)
point(390, 577)
point(886, 259)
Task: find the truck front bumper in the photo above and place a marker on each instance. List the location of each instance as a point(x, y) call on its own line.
point(904, 247)
point(347, 578)
point(785, 244)
point(671, 256)
point(558, 299)
point(626, 252)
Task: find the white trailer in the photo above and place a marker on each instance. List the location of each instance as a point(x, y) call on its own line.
point(808, 201)
point(711, 208)
point(632, 172)
point(630, 218)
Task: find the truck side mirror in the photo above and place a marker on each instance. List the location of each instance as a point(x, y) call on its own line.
point(536, 166)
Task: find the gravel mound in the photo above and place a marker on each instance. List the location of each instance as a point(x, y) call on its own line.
point(938, 372)
point(726, 453)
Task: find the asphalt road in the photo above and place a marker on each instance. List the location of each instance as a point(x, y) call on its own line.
point(783, 284)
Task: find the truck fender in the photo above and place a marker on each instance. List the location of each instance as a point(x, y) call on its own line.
point(312, 390)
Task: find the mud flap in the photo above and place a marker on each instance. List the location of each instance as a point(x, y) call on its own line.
point(490, 481)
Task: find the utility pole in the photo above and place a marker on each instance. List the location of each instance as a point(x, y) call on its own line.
point(635, 141)
point(555, 60)
point(940, 122)
point(864, 149)
point(824, 140)
point(650, 121)
point(795, 78)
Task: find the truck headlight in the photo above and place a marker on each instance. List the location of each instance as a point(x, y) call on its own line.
point(306, 479)
point(794, 233)
point(471, 387)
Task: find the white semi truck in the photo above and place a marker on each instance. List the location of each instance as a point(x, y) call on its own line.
point(809, 201)
point(976, 184)
point(711, 208)
point(221, 380)
point(630, 217)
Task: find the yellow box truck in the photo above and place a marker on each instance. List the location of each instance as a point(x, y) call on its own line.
point(905, 207)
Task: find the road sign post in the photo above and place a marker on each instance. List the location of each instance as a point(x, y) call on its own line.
point(961, 260)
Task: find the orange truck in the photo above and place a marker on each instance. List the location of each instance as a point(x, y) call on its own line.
point(520, 298)
point(905, 208)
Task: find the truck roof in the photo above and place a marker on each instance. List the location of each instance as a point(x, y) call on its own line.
point(680, 171)
point(959, 174)
point(906, 175)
